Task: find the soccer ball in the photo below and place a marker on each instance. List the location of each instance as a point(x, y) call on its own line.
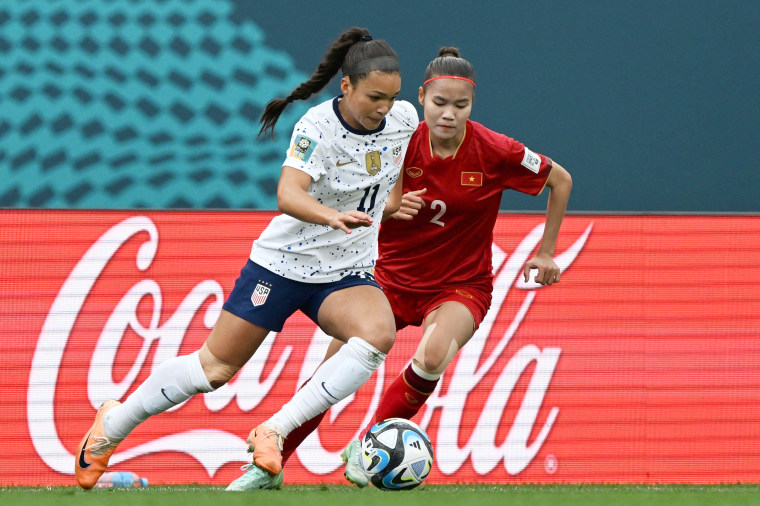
point(396, 454)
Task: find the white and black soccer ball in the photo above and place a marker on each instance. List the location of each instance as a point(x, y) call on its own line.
point(396, 454)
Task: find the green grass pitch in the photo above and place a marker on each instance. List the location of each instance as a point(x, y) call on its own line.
point(431, 495)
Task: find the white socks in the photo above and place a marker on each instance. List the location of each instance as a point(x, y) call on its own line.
point(173, 382)
point(336, 379)
point(179, 378)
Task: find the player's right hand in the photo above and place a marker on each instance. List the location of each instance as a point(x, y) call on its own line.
point(347, 220)
point(411, 203)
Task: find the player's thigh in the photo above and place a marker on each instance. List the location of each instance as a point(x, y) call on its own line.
point(234, 340)
point(445, 331)
point(359, 311)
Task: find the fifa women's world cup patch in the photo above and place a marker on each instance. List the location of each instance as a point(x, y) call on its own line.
point(260, 293)
point(531, 161)
point(302, 148)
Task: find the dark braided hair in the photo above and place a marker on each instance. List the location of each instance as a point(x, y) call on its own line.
point(355, 52)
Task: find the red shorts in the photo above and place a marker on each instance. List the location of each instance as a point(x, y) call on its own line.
point(411, 308)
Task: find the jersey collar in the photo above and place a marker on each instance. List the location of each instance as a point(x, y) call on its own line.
point(465, 137)
point(349, 127)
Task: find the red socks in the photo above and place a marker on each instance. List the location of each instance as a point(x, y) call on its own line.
point(296, 436)
point(405, 396)
point(403, 399)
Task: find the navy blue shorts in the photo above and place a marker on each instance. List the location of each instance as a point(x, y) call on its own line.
point(268, 299)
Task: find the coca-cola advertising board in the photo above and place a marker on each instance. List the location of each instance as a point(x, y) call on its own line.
point(641, 366)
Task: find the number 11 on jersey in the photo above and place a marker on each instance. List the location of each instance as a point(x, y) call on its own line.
point(367, 190)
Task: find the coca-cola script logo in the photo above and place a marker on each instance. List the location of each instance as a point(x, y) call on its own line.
point(470, 368)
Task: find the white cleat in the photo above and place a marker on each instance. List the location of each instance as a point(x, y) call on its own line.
point(255, 478)
point(354, 470)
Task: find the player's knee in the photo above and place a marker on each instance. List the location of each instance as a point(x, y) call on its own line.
point(381, 334)
point(436, 356)
point(383, 340)
point(434, 361)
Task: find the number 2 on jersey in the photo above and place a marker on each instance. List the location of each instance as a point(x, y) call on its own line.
point(437, 218)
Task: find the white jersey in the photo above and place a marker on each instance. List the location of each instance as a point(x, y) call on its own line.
point(350, 169)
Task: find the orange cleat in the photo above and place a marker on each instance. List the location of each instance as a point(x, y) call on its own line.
point(95, 450)
point(266, 441)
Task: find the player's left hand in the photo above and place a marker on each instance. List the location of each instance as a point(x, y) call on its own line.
point(411, 203)
point(548, 270)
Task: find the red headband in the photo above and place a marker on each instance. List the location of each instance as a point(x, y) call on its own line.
point(449, 77)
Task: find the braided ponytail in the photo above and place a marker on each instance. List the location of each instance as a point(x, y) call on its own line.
point(351, 51)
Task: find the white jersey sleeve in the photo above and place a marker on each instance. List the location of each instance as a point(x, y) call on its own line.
point(350, 170)
point(307, 150)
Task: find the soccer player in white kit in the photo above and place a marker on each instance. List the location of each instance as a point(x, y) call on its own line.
point(341, 176)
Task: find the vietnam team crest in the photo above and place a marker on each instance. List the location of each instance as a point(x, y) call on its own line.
point(260, 293)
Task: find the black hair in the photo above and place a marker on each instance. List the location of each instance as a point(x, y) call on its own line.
point(449, 63)
point(355, 52)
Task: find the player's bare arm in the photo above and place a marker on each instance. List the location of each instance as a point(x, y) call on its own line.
point(560, 184)
point(294, 200)
point(393, 203)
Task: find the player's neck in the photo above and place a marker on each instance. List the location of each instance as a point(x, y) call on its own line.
point(445, 148)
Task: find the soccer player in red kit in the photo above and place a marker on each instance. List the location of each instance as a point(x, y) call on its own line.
point(435, 254)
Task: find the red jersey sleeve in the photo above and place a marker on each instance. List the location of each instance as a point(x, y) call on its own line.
point(520, 168)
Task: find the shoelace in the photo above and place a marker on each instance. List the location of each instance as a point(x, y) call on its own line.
point(247, 477)
point(278, 437)
point(101, 445)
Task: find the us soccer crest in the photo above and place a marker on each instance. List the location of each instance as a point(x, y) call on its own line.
point(397, 158)
point(260, 293)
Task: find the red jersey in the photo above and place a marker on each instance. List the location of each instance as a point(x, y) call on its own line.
point(449, 241)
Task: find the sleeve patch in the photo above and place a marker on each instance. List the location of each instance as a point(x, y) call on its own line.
point(531, 161)
point(302, 148)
